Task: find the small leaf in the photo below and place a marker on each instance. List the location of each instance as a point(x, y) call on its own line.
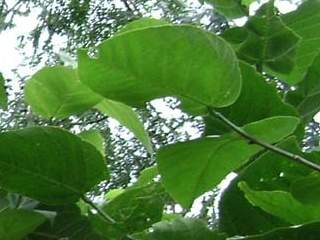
point(183, 61)
point(57, 92)
point(191, 168)
point(128, 118)
point(16, 224)
point(58, 163)
point(95, 138)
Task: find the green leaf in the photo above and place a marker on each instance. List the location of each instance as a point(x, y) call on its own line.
point(95, 138)
point(282, 205)
point(184, 61)
point(308, 231)
point(266, 41)
point(3, 94)
point(57, 92)
point(306, 97)
point(191, 168)
point(229, 8)
point(16, 224)
point(307, 189)
point(49, 164)
point(134, 210)
point(270, 171)
point(304, 21)
point(128, 118)
point(143, 23)
point(258, 100)
point(147, 176)
point(187, 229)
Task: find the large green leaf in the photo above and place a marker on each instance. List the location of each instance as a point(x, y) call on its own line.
point(305, 22)
point(270, 171)
point(258, 100)
point(128, 118)
point(308, 231)
point(16, 224)
point(57, 92)
point(191, 168)
point(186, 229)
point(266, 41)
point(141, 65)
point(134, 210)
point(281, 204)
point(3, 94)
point(229, 8)
point(48, 164)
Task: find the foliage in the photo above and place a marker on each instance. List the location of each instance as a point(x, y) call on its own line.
point(48, 172)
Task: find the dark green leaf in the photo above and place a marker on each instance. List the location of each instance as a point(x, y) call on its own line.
point(3, 94)
point(48, 164)
point(194, 167)
point(138, 66)
point(229, 8)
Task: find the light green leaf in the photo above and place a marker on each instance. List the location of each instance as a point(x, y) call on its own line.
point(126, 117)
point(229, 8)
point(16, 224)
point(191, 168)
point(95, 138)
point(57, 92)
point(49, 164)
point(141, 65)
point(305, 22)
point(3, 94)
point(147, 176)
point(282, 205)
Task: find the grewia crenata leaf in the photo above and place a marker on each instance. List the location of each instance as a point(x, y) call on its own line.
point(127, 117)
point(57, 92)
point(49, 164)
point(191, 168)
point(15, 224)
point(305, 22)
point(148, 63)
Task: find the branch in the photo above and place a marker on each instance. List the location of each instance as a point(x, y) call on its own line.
point(104, 215)
point(267, 146)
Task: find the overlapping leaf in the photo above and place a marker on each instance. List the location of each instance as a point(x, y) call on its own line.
point(229, 8)
point(194, 167)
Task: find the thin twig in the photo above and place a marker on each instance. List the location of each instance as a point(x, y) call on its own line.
point(265, 145)
point(104, 215)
